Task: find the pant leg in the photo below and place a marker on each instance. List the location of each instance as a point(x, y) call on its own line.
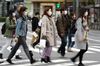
point(82, 53)
point(12, 53)
point(72, 42)
point(47, 52)
point(69, 40)
point(25, 47)
point(63, 45)
point(12, 45)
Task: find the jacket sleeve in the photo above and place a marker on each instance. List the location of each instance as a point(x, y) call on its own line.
point(18, 26)
point(79, 29)
point(43, 26)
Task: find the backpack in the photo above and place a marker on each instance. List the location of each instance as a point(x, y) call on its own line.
point(3, 29)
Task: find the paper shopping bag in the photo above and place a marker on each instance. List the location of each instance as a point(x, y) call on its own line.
point(42, 43)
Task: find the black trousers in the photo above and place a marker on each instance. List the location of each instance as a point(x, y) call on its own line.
point(21, 41)
point(63, 44)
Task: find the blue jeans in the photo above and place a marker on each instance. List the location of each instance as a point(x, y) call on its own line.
point(70, 42)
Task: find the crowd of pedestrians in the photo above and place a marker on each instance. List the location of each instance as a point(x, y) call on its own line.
point(66, 25)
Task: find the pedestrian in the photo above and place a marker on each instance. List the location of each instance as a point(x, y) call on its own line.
point(21, 33)
point(16, 13)
point(9, 34)
point(35, 21)
point(35, 27)
point(81, 36)
point(48, 29)
point(63, 24)
point(72, 31)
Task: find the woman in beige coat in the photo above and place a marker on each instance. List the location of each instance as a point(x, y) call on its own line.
point(48, 32)
point(81, 36)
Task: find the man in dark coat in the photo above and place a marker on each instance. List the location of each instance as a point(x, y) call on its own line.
point(63, 24)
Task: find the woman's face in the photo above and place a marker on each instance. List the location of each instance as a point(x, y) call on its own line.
point(49, 12)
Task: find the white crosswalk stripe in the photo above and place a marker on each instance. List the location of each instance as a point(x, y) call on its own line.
point(56, 62)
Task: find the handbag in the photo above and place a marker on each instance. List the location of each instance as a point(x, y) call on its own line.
point(34, 37)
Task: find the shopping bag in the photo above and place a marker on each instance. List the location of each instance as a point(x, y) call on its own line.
point(34, 37)
point(42, 43)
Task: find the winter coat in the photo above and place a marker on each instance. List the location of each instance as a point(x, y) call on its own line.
point(48, 29)
point(10, 28)
point(63, 24)
point(79, 35)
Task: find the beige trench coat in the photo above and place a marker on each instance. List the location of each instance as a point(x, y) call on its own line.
point(48, 29)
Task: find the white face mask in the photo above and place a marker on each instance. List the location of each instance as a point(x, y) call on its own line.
point(49, 12)
point(25, 13)
point(14, 14)
point(65, 12)
point(86, 13)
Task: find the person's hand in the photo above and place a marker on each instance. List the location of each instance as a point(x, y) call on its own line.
point(16, 39)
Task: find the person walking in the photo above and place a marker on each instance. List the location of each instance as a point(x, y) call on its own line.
point(81, 36)
point(63, 24)
point(72, 31)
point(35, 27)
point(9, 34)
point(48, 29)
point(21, 33)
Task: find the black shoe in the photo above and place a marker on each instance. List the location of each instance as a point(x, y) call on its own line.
point(1, 56)
point(44, 60)
point(81, 64)
point(73, 60)
point(9, 61)
point(62, 54)
point(48, 59)
point(33, 61)
point(18, 57)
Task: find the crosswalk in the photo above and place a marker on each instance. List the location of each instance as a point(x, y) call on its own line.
point(58, 61)
point(55, 62)
point(90, 58)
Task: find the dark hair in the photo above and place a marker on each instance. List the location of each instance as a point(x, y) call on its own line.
point(11, 11)
point(46, 10)
point(82, 11)
point(22, 9)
